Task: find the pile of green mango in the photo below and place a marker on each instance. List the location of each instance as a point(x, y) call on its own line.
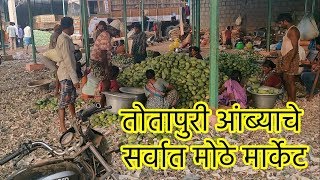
point(190, 76)
point(263, 90)
point(105, 119)
point(150, 54)
point(243, 62)
point(51, 103)
point(122, 61)
point(253, 82)
point(41, 38)
point(255, 87)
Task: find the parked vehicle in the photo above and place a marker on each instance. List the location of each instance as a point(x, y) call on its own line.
point(84, 154)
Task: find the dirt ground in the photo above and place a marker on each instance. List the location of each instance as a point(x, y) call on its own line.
point(21, 121)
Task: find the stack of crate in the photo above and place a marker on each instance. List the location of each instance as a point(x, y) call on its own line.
point(45, 22)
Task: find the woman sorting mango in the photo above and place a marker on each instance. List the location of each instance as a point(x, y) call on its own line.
point(159, 93)
point(269, 77)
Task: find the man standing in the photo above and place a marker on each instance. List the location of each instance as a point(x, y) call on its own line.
point(139, 44)
point(67, 74)
point(228, 36)
point(27, 37)
point(12, 32)
point(54, 36)
point(288, 63)
point(20, 36)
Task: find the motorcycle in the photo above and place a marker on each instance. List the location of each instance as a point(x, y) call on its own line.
point(84, 154)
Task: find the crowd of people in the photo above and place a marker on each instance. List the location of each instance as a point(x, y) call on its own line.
point(19, 37)
point(283, 73)
point(102, 76)
point(63, 58)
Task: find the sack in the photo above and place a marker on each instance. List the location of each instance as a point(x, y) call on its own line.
point(308, 28)
point(239, 21)
point(48, 63)
point(302, 54)
point(112, 31)
point(52, 55)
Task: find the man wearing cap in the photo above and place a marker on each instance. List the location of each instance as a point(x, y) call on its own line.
point(67, 73)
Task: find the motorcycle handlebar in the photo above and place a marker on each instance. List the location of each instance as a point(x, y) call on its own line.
point(47, 147)
point(28, 148)
point(87, 112)
point(13, 155)
point(92, 110)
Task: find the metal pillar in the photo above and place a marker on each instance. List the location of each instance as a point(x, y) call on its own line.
point(193, 20)
point(313, 5)
point(142, 14)
point(2, 34)
point(63, 9)
point(197, 14)
point(306, 6)
point(32, 35)
point(214, 53)
point(51, 6)
point(85, 33)
point(269, 24)
point(5, 10)
point(125, 24)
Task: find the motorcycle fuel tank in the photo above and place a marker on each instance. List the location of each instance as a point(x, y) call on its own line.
point(54, 171)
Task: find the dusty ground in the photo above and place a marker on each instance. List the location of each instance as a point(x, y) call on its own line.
point(20, 121)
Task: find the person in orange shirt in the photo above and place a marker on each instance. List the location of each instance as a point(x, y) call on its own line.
point(121, 48)
point(228, 36)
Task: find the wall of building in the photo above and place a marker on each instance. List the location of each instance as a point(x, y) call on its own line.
point(254, 12)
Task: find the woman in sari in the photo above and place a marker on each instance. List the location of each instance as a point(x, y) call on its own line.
point(101, 61)
point(160, 94)
point(232, 91)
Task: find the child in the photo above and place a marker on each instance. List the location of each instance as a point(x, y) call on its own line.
point(232, 92)
point(92, 87)
point(121, 48)
point(114, 85)
point(228, 36)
